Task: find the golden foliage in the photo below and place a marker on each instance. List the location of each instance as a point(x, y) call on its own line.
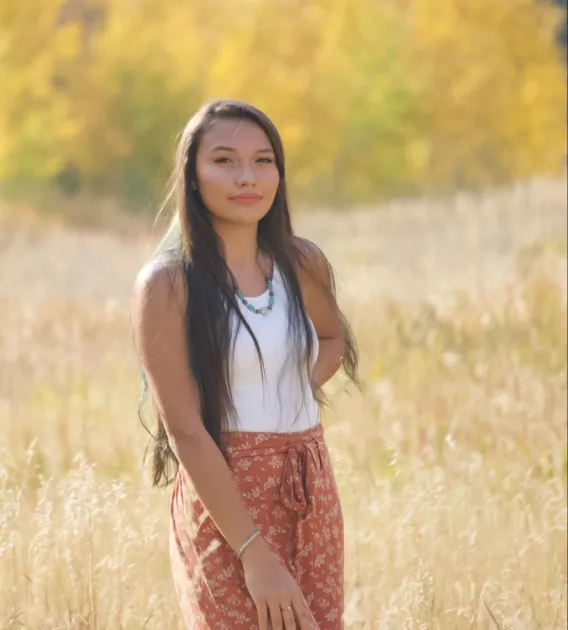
point(372, 98)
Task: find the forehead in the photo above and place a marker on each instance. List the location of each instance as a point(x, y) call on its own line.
point(236, 133)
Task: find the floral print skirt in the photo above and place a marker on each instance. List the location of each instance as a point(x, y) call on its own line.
point(288, 487)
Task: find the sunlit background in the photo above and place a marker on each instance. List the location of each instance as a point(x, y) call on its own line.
point(426, 154)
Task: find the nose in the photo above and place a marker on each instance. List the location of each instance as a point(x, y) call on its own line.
point(246, 176)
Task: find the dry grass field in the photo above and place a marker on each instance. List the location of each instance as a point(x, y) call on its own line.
point(451, 463)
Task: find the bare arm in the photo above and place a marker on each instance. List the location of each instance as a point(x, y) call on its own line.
point(160, 339)
point(159, 303)
point(316, 290)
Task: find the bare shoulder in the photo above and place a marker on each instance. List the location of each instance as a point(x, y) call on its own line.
point(308, 248)
point(312, 261)
point(159, 295)
point(160, 276)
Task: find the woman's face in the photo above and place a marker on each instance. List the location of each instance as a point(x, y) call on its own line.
point(236, 171)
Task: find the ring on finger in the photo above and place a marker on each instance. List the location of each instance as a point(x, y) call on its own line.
point(287, 607)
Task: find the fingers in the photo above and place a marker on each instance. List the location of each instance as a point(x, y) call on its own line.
point(282, 616)
point(304, 615)
point(275, 616)
point(288, 616)
point(294, 615)
point(262, 617)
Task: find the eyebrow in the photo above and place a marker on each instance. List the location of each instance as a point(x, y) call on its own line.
point(221, 148)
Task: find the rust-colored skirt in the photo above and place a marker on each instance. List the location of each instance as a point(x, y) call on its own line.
point(287, 483)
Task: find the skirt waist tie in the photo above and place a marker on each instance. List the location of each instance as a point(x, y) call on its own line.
point(302, 467)
point(301, 476)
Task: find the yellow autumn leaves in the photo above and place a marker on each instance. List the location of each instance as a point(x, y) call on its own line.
point(372, 98)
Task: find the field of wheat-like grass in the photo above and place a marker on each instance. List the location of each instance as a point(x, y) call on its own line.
point(451, 463)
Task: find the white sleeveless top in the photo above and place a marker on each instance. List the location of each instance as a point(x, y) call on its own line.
point(278, 404)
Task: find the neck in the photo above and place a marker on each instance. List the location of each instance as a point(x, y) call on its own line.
point(240, 243)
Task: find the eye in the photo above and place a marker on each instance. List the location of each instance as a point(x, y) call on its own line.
point(266, 160)
point(221, 160)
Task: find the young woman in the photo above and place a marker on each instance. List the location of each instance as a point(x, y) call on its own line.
point(237, 328)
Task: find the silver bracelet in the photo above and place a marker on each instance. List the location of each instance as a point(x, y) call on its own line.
point(247, 542)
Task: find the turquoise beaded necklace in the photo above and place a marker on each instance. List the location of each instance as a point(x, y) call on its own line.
point(265, 309)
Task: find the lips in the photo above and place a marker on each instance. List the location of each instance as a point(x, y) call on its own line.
point(246, 198)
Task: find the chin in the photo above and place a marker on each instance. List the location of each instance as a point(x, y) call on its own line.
point(244, 216)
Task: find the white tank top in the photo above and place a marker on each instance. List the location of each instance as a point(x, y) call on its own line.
point(278, 404)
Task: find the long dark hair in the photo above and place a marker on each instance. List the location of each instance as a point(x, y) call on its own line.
point(192, 241)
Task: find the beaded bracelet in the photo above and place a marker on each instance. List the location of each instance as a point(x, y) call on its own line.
point(247, 542)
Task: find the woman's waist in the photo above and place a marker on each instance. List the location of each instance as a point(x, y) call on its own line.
point(269, 396)
point(245, 443)
point(273, 415)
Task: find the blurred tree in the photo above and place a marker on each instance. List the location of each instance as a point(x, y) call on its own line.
point(493, 90)
point(563, 30)
point(329, 72)
point(145, 80)
point(35, 121)
point(564, 26)
point(372, 98)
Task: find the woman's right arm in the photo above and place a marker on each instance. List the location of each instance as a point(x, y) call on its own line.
point(158, 308)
